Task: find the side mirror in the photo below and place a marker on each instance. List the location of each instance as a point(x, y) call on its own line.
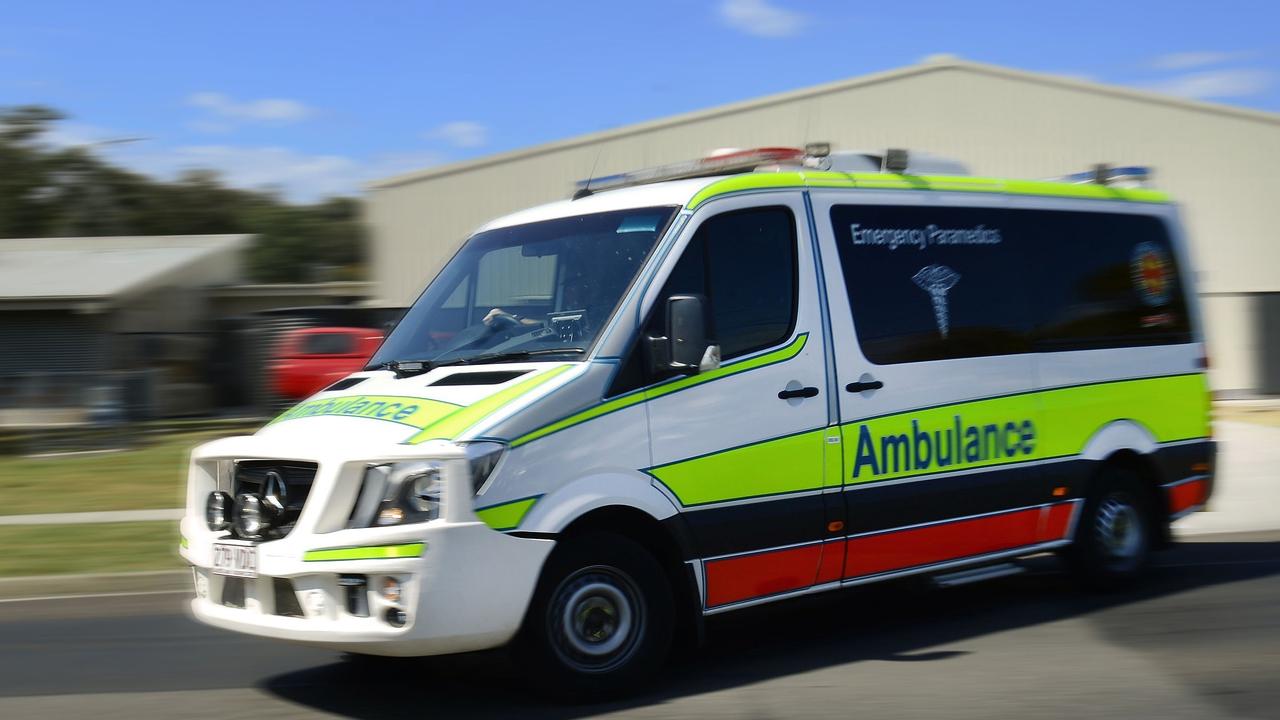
point(685, 348)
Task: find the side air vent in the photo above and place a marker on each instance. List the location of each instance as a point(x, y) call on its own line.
point(495, 377)
point(344, 384)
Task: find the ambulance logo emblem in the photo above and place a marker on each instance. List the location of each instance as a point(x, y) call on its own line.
point(1151, 273)
point(937, 280)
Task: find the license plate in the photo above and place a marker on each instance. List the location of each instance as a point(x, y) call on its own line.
point(236, 560)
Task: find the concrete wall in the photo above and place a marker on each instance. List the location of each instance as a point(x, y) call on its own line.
point(1000, 122)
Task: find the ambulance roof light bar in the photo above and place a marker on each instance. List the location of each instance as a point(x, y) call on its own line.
point(719, 162)
point(814, 156)
point(1129, 176)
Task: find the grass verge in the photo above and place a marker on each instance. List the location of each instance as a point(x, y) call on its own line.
point(90, 548)
point(152, 476)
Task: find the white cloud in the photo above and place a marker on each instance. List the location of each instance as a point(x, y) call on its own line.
point(391, 164)
point(266, 110)
point(211, 127)
point(461, 134)
point(758, 17)
point(1194, 59)
point(1216, 84)
point(300, 177)
point(69, 134)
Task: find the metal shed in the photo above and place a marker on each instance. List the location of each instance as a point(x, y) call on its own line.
point(1000, 121)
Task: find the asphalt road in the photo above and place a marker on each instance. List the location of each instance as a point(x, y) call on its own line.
point(1200, 638)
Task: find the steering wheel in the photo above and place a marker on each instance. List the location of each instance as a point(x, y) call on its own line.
point(503, 322)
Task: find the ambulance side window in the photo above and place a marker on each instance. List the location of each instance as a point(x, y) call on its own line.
point(1106, 280)
point(934, 283)
point(744, 263)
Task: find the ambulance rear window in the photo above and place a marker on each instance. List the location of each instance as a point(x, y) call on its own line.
point(935, 283)
point(1106, 280)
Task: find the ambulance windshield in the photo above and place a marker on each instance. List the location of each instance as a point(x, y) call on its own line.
point(526, 291)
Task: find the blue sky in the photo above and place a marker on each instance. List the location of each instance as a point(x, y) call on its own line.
point(318, 97)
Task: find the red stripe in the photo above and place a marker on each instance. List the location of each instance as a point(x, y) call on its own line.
point(1055, 521)
point(750, 576)
point(1187, 495)
point(767, 573)
point(900, 549)
point(831, 568)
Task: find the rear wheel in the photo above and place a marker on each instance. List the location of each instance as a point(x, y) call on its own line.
point(600, 622)
point(1112, 543)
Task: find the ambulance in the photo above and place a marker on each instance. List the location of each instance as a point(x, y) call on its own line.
point(711, 385)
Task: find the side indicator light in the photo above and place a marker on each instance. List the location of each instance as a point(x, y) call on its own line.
point(835, 526)
point(1060, 491)
point(1200, 468)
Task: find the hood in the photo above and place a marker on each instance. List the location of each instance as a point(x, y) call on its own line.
point(448, 403)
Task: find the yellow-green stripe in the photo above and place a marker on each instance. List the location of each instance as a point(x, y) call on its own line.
point(454, 424)
point(784, 465)
point(781, 354)
point(1065, 419)
point(411, 411)
point(370, 552)
point(507, 516)
point(881, 181)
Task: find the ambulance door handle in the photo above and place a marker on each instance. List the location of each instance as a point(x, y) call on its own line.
point(864, 385)
point(804, 392)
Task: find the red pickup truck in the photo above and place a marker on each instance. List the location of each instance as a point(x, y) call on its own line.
point(309, 359)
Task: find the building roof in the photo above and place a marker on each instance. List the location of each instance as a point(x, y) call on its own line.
point(100, 268)
point(933, 64)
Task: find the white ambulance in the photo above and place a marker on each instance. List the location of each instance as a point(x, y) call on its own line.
point(706, 386)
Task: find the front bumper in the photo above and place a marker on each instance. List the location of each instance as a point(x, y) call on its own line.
point(465, 588)
point(468, 590)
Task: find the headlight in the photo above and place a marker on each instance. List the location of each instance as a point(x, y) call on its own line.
point(413, 491)
point(251, 516)
point(424, 490)
point(398, 494)
point(483, 456)
point(217, 511)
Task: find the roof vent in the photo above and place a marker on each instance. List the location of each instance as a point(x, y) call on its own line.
point(489, 377)
point(344, 384)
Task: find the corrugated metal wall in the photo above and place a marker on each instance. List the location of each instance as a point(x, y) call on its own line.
point(1002, 123)
point(51, 341)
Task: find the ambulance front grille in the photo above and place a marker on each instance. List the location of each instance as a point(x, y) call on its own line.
point(288, 481)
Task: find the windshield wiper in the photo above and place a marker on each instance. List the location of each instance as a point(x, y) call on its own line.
point(509, 356)
point(408, 368)
point(405, 368)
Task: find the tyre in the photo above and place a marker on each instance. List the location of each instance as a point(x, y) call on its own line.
point(601, 620)
point(1113, 538)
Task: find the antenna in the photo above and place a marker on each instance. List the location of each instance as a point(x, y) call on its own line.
point(585, 190)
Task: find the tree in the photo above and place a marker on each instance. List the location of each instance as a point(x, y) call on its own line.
point(49, 192)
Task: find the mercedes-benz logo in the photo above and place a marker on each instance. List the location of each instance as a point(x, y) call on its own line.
point(274, 491)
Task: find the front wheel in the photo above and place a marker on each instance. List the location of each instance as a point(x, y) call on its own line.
point(1112, 543)
point(600, 622)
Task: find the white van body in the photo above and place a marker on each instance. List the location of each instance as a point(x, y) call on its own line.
point(742, 495)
